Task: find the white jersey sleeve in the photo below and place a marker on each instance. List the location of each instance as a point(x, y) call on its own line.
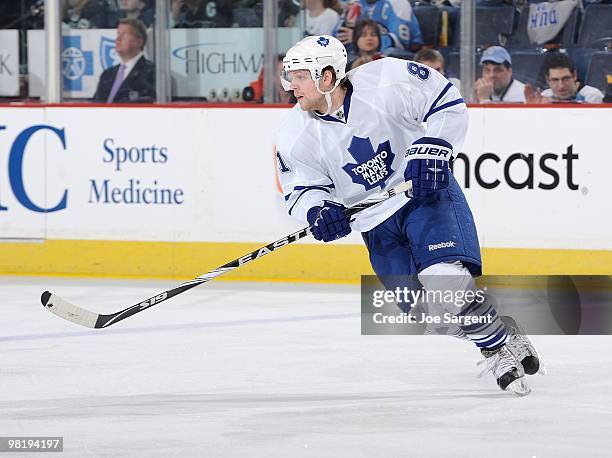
point(426, 96)
point(432, 99)
point(303, 177)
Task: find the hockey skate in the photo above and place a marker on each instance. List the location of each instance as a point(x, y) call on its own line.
point(506, 369)
point(522, 347)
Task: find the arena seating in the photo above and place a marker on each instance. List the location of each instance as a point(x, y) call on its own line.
point(599, 67)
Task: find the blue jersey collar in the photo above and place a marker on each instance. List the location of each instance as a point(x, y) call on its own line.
point(347, 105)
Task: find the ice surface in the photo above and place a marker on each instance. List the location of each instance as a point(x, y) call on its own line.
point(274, 370)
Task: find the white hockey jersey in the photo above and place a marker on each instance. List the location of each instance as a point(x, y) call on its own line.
point(360, 151)
point(586, 94)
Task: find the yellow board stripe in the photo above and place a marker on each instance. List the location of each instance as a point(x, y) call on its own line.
point(302, 262)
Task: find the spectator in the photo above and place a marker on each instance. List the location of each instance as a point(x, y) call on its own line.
point(190, 14)
point(288, 11)
point(400, 27)
point(496, 83)
point(134, 9)
point(366, 42)
point(132, 81)
point(563, 83)
point(434, 59)
point(85, 14)
point(11, 15)
point(24, 15)
point(321, 17)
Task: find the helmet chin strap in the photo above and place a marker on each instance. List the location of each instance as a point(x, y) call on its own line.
point(327, 95)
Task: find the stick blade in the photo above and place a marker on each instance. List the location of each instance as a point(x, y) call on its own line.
point(68, 311)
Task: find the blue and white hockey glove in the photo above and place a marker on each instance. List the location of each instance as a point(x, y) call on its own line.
point(328, 222)
point(428, 159)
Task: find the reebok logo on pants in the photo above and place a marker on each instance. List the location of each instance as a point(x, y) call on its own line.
point(437, 246)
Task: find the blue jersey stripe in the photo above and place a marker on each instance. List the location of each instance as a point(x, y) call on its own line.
point(433, 105)
point(443, 107)
point(304, 191)
point(299, 188)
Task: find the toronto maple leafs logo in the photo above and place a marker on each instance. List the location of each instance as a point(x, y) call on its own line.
point(323, 41)
point(372, 168)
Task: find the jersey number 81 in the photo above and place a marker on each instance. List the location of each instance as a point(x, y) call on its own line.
point(418, 71)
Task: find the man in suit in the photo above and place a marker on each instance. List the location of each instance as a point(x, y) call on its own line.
point(133, 80)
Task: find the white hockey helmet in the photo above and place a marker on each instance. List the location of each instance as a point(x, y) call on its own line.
point(314, 54)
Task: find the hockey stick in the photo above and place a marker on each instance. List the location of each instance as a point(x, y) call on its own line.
point(78, 315)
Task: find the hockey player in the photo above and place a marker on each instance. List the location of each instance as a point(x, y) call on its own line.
point(353, 135)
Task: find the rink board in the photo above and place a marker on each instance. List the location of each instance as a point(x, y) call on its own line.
point(302, 263)
point(176, 191)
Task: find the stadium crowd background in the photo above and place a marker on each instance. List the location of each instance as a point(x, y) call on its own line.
point(379, 28)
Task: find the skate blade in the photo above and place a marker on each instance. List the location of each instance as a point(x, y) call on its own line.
point(519, 387)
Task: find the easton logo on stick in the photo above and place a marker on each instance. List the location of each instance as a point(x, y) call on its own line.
point(273, 246)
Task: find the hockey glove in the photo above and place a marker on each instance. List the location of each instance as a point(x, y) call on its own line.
point(427, 168)
point(328, 222)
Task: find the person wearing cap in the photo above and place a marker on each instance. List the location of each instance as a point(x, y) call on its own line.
point(496, 84)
